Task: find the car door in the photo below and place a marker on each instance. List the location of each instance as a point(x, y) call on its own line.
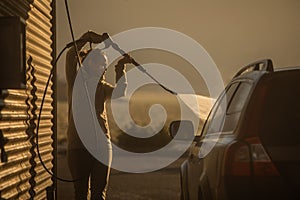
point(202, 154)
point(206, 157)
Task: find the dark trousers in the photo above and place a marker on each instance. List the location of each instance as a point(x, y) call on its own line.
point(84, 166)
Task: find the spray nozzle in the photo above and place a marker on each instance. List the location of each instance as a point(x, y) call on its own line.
point(109, 42)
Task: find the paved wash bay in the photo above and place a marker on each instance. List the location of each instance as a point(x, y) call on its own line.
point(159, 185)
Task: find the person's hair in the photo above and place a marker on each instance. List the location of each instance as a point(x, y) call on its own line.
point(96, 56)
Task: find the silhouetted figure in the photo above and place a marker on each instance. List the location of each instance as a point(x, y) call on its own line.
point(82, 164)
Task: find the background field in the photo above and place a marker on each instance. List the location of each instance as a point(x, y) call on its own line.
point(159, 185)
point(139, 107)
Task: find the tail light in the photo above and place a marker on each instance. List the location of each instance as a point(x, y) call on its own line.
point(248, 158)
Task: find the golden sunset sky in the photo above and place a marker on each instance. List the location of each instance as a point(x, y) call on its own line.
point(233, 32)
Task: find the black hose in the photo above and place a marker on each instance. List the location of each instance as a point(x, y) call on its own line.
point(117, 48)
point(39, 120)
point(72, 33)
point(44, 96)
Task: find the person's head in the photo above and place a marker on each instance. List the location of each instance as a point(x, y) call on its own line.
point(95, 61)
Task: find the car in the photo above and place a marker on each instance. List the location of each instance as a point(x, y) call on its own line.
point(249, 147)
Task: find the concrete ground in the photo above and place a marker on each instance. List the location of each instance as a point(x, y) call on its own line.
point(159, 185)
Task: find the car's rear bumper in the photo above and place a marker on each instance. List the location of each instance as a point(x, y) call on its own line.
point(256, 188)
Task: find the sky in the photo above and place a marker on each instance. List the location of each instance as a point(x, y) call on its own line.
point(233, 32)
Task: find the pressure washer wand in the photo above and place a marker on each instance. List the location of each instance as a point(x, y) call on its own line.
point(109, 42)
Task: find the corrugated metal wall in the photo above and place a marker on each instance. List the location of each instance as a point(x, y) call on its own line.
point(22, 176)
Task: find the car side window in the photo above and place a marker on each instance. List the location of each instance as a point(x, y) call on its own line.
point(215, 119)
point(238, 100)
point(236, 105)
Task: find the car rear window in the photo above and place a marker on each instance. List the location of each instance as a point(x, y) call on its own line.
point(280, 117)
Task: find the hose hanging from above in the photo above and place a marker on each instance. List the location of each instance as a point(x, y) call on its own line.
point(107, 42)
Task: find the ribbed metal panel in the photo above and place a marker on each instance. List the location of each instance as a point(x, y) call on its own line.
point(39, 47)
point(15, 172)
point(22, 176)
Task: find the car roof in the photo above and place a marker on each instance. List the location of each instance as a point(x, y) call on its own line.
point(256, 70)
point(287, 68)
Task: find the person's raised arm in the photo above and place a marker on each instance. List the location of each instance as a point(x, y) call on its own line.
point(121, 81)
point(71, 57)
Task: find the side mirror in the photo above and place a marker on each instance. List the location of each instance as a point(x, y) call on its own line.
point(182, 130)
